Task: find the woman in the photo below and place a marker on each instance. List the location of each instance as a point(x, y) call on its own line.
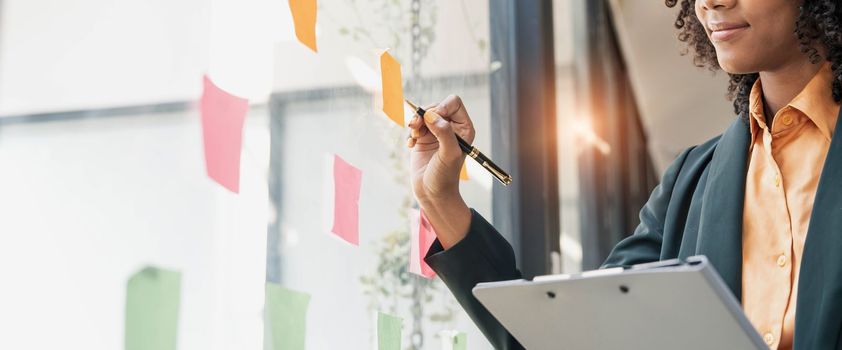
point(763, 200)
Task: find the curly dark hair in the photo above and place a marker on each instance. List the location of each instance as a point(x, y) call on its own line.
point(817, 19)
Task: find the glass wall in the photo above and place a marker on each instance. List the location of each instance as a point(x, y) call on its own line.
point(102, 169)
point(443, 48)
point(87, 202)
point(570, 139)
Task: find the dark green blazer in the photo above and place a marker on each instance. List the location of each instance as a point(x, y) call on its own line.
point(697, 209)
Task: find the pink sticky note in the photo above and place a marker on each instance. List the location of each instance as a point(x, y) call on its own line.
point(414, 255)
point(346, 207)
point(223, 116)
point(422, 237)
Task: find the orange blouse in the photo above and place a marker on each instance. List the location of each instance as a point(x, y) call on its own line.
point(783, 173)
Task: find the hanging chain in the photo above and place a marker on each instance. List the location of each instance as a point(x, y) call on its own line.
point(417, 46)
point(417, 336)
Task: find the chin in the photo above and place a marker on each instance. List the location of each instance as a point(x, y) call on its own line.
point(736, 66)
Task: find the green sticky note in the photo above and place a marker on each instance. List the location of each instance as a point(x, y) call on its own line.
point(286, 313)
point(152, 299)
point(460, 341)
point(388, 332)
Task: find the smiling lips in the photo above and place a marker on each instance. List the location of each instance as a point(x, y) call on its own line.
point(722, 31)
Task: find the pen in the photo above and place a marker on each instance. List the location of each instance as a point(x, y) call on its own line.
point(472, 151)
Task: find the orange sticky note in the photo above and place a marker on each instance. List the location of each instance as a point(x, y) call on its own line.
point(347, 180)
point(463, 174)
point(390, 71)
point(304, 19)
point(223, 116)
point(422, 237)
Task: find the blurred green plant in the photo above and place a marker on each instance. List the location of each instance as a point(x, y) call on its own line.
point(395, 19)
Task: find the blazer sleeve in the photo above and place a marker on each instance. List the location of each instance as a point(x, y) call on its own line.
point(483, 255)
point(645, 244)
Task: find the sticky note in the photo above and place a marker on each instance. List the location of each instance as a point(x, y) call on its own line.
point(463, 173)
point(347, 180)
point(153, 296)
point(286, 316)
point(388, 332)
point(453, 340)
point(390, 71)
point(414, 247)
point(422, 237)
point(223, 116)
point(460, 341)
point(426, 237)
point(304, 20)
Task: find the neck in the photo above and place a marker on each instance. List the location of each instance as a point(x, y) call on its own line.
point(782, 84)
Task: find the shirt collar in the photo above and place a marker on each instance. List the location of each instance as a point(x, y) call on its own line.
point(815, 101)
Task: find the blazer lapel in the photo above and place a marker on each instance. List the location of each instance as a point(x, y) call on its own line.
point(818, 315)
point(721, 219)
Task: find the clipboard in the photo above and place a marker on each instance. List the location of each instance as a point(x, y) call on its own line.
point(665, 305)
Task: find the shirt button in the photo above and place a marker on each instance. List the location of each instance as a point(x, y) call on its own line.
point(787, 119)
point(769, 339)
point(782, 260)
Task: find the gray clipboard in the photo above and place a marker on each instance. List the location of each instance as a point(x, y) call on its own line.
point(665, 305)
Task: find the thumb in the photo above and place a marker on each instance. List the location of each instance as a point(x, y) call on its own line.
point(443, 131)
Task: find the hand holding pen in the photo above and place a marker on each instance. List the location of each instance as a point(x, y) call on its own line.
point(432, 116)
point(435, 150)
point(435, 162)
point(440, 137)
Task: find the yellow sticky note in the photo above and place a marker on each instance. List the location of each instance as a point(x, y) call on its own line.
point(390, 71)
point(463, 174)
point(304, 18)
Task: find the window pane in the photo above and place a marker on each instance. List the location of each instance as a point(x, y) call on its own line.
point(568, 147)
point(103, 169)
point(444, 52)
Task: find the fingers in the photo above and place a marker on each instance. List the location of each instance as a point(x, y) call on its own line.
point(418, 133)
point(444, 134)
point(453, 109)
point(416, 126)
